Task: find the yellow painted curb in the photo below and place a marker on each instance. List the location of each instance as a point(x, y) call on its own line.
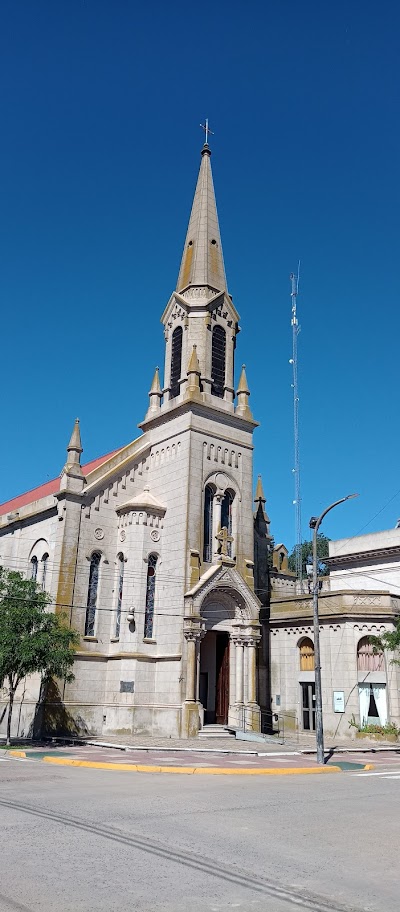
point(369, 766)
point(192, 770)
point(17, 753)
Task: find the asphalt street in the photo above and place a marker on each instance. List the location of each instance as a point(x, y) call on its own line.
point(89, 840)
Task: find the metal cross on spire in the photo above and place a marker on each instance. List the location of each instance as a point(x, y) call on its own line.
point(207, 130)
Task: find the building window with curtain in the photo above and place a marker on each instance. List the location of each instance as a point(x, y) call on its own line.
point(307, 659)
point(176, 361)
point(44, 569)
point(120, 584)
point(92, 594)
point(218, 356)
point(150, 596)
point(34, 568)
point(368, 659)
point(208, 524)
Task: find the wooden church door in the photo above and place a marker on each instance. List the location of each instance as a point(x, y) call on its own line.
point(222, 688)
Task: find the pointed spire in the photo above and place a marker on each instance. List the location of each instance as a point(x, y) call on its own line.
point(72, 478)
point(193, 376)
point(74, 448)
point(259, 492)
point(155, 394)
point(202, 260)
point(243, 385)
point(243, 393)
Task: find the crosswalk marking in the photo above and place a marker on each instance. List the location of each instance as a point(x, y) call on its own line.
point(388, 774)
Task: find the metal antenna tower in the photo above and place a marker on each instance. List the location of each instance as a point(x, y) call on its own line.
point(296, 470)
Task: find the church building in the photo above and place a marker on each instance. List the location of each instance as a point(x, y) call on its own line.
point(149, 551)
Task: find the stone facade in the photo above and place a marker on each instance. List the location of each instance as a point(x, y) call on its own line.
point(169, 630)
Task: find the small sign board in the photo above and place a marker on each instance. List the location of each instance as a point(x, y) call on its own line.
point(338, 701)
point(126, 687)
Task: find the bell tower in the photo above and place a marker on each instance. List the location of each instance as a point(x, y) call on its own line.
point(200, 314)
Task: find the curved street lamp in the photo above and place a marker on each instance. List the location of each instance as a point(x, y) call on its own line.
point(315, 523)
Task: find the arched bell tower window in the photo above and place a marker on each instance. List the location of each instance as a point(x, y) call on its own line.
point(150, 596)
point(208, 523)
point(92, 593)
point(226, 516)
point(218, 358)
point(176, 361)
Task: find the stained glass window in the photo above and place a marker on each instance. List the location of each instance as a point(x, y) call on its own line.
point(92, 594)
point(150, 594)
point(176, 361)
point(119, 593)
point(218, 361)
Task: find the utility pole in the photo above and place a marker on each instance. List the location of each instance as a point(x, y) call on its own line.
point(296, 469)
point(315, 523)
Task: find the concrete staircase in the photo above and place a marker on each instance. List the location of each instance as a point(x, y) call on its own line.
point(216, 731)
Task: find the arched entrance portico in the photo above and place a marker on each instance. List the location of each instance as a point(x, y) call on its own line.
point(222, 632)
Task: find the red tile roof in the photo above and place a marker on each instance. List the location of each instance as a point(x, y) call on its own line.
point(49, 487)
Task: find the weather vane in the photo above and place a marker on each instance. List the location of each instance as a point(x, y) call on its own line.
point(207, 130)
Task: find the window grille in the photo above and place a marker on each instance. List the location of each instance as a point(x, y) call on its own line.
point(176, 361)
point(92, 594)
point(208, 524)
point(218, 361)
point(150, 596)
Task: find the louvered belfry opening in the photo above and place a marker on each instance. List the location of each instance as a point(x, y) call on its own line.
point(218, 361)
point(176, 361)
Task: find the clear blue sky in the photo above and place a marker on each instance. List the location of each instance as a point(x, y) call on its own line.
point(100, 110)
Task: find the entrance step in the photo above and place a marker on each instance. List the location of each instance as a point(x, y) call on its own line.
point(215, 731)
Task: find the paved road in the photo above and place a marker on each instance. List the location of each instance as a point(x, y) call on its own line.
point(84, 840)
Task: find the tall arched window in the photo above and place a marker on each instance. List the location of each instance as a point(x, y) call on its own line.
point(176, 361)
point(367, 659)
point(44, 569)
point(34, 568)
point(226, 516)
point(307, 660)
point(208, 523)
point(218, 361)
point(150, 594)
point(120, 585)
point(92, 594)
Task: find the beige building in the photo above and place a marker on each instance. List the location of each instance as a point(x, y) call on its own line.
point(360, 598)
point(148, 551)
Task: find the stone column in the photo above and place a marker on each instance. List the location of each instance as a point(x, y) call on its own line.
point(217, 505)
point(251, 666)
point(239, 670)
point(191, 638)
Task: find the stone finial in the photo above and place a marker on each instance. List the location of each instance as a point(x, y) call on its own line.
point(155, 394)
point(259, 496)
point(243, 394)
point(193, 375)
point(72, 478)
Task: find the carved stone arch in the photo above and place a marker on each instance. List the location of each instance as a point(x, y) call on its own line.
point(222, 482)
point(97, 550)
point(39, 548)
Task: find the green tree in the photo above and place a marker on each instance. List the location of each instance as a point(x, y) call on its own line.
point(32, 639)
point(306, 552)
point(389, 640)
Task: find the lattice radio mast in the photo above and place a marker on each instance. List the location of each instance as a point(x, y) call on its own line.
point(296, 470)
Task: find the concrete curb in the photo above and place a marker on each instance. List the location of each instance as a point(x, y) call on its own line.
point(188, 770)
point(191, 770)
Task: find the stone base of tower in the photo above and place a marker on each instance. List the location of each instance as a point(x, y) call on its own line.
point(190, 720)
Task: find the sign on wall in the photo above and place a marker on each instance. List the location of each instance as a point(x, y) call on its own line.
point(338, 701)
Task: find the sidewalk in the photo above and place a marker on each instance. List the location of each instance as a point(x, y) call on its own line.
point(296, 746)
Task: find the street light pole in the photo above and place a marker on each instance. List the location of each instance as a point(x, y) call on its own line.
point(315, 523)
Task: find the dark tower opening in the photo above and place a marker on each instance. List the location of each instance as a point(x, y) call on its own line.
point(218, 361)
